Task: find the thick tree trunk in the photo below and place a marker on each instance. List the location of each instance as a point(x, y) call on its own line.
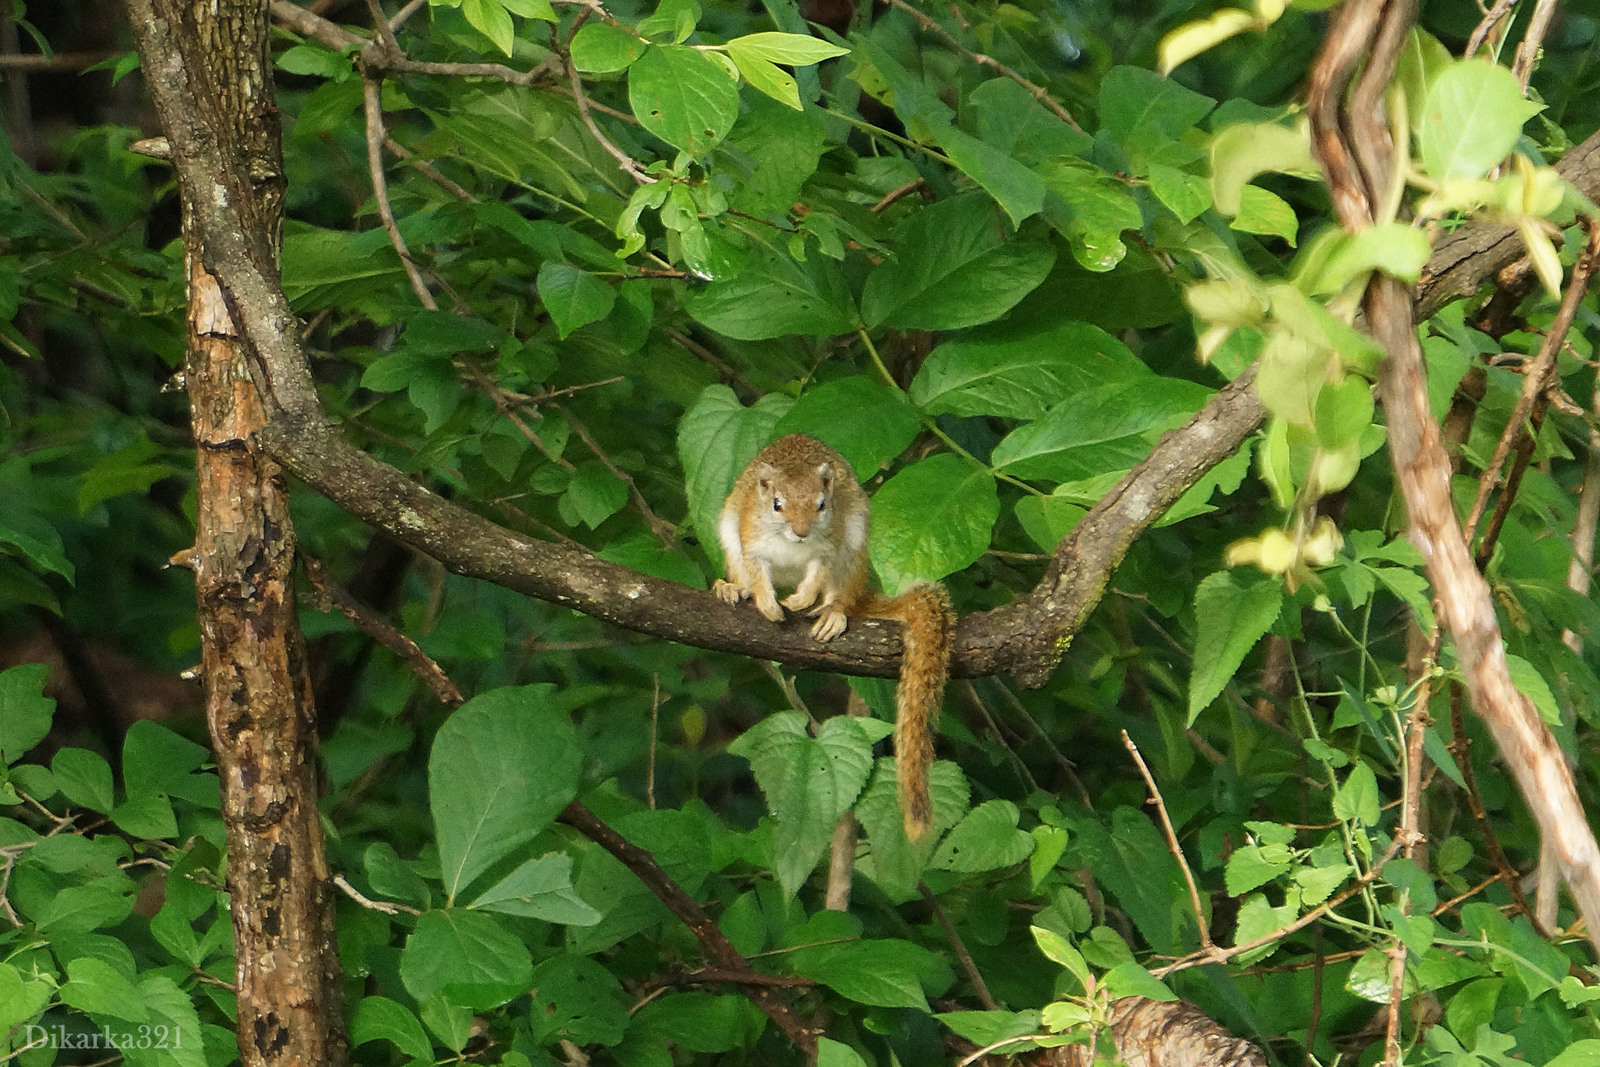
point(258, 693)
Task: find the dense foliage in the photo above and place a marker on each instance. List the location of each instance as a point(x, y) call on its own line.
point(982, 280)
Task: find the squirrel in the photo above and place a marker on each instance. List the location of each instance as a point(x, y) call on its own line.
point(797, 518)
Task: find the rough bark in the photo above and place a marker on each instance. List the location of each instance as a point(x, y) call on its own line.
point(258, 694)
point(1152, 1033)
point(1351, 126)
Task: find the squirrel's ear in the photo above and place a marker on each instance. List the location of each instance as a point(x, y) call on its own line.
point(825, 475)
point(766, 474)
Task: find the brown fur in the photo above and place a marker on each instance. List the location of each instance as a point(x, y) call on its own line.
point(798, 517)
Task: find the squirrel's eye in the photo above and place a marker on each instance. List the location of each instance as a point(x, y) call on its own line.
point(822, 505)
point(777, 505)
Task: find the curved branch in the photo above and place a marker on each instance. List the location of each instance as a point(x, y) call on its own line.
point(1025, 638)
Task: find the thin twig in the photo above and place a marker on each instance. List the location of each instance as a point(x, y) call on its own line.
point(977, 701)
point(960, 948)
point(1532, 41)
point(1461, 748)
point(427, 170)
point(404, 14)
point(33, 64)
point(786, 683)
point(665, 532)
point(371, 95)
point(655, 720)
point(1172, 840)
point(335, 597)
point(1217, 954)
point(842, 846)
point(1487, 25)
point(1067, 767)
point(1410, 819)
point(388, 907)
point(625, 161)
point(895, 194)
point(1529, 409)
point(1039, 92)
point(713, 942)
point(1584, 527)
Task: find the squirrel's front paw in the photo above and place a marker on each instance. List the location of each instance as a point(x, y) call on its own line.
point(830, 625)
point(728, 592)
point(798, 602)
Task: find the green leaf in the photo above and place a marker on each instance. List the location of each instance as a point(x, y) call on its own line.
point(1234, 612)
point(895, 864)
point(716, 438)
point(20, 1000)
point(1048, 519)
point(502, 767)
point(1186, 195)
point(392, 878)
point(601, 48)
point(1049, 842)
point(768, 78)
point(1108, 428)
point(1129, 979)
point(98, 988)
point(34, 537)
point(313, 60)
point(1257, 919)
point(682, 97)
point(1139, 108)
point(574, 298)
point(1267, 213)
point(986, 840)
point(1250, 868)
point(1241, 151)
point(1357, 797)
point(1059, 950)
point(1019, 370)
point(490, 18)
point(884, 974)
point(932, 519)
point(467, 956)
point(1318, 883)
point(539, 889)
point(381, 1019)
point(1398, 250)
point(1526, 677)
point(147, 815)
point(794, 49)
point(1192, 38)
point(772, 295)
point(1369, 979)
point(865, 420)
point(532, 9)
point(157, 761)
point(594, 494)
point(1343, 412)
point(172, 1013)
point(698, 1022)
point(1472, 117)
point(576, 999)
point(808, 782)
point(97, 905)
point(952, 268)
point(25, 711)
point(831, 1053)
point(1585, 1053)
point(985, 1028)
point(1018, 189)
point(1092, 211)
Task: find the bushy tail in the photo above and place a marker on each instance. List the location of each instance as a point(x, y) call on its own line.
point(926, 622)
